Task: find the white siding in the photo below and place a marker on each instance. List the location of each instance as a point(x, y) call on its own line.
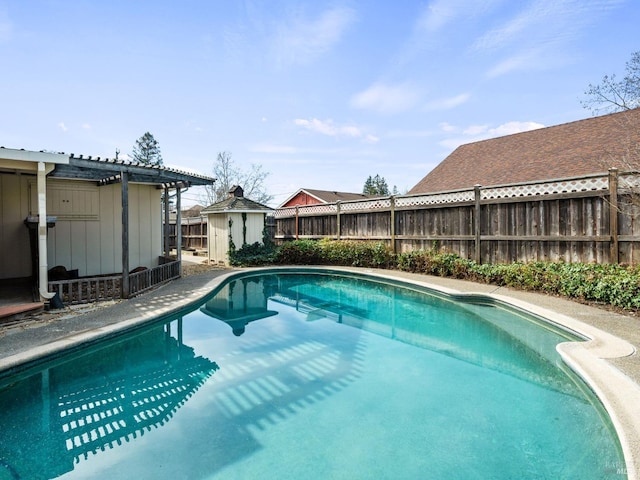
point(92, 242)
point(218, 225)
point(88, 232)
point(255, 228)
point(15, 250)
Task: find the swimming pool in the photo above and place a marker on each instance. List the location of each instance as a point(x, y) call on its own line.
point(313, 376)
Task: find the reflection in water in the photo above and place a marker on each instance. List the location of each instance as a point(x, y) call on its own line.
point(481, 335)
point(240, 302)
point(97, 401)
point(278, 375)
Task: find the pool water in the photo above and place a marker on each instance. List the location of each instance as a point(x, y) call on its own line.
point(285, 375)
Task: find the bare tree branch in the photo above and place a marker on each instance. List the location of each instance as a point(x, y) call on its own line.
point(611, 95)
point(227, 174)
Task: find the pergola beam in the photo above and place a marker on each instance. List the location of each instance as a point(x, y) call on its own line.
point(107, 171)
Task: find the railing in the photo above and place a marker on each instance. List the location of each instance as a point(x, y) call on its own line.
point(146, 279)
point(95, 289)
point(87, 290)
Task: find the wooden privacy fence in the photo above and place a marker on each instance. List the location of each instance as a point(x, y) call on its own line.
point(194, 233)
point(591, 219)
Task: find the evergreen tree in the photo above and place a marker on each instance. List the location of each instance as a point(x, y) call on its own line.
point(147, 150)
point(375, 186)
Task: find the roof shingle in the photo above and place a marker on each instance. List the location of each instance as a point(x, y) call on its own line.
point(584, 147)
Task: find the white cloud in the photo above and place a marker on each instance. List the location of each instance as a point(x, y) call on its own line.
point(475, 130)
point(300, 41)
point(475, 133)
point(440, 13)
point(387, 98)
point(331, 129)
point(537, 35)
point(86, 126)
point(62, 126)
point(510, 128)
point(448, 103)
point(516, 62)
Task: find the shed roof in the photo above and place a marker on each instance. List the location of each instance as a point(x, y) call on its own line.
point(584, 147)
point(236, 204)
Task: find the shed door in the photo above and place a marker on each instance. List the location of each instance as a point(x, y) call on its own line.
point(219, 238)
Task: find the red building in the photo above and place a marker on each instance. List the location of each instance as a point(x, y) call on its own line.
point(306, 196)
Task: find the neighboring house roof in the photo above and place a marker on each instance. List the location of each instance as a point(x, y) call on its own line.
point(193, 211)
point(236, 204)
point(326, 196)
point(584, 147)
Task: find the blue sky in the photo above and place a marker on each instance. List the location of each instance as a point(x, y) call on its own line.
point(322, 94)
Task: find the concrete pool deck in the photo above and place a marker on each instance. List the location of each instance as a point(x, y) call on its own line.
point(609, 361)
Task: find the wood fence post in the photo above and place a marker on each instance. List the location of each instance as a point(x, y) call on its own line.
point(392, 214)
point(613, 216)
point(179, 230)
point(338, 220)
point(476, 223)
point(124, 178)
point(167, 226)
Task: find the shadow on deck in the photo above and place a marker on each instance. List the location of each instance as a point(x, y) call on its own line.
point(17, 298)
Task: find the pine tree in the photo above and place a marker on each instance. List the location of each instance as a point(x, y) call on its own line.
point(375, 186)
point(147, 150)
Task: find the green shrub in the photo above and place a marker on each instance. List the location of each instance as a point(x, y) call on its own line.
point(252, 255)
point(299, 252)
point(615, 285)
point(336, 252)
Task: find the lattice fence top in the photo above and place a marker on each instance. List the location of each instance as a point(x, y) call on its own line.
point(320, 209)
point(285, 212)
point(630, 182)
point(435, 199)
point(375, 204)
point(567, 185)
point(546, 188)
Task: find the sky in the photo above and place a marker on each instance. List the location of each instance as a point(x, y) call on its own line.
point(321, 94)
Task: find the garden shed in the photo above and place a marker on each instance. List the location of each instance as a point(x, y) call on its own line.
point(232, 223)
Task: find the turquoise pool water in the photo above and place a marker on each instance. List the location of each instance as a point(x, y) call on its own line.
point(287, 375)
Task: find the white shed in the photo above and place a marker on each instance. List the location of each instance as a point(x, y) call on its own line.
point(236, 220)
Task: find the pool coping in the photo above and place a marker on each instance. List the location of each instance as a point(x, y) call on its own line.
point(591, 359)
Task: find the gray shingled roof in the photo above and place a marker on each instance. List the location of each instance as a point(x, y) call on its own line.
point(331, 197)
point(236, 204)
point(584, 147)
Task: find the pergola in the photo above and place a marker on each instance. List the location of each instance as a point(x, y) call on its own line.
point(109, 171)
point(102, 171)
